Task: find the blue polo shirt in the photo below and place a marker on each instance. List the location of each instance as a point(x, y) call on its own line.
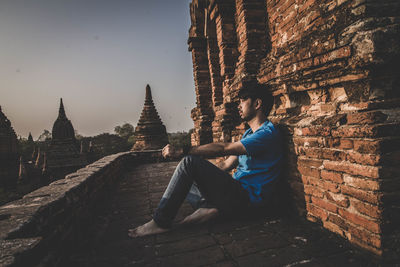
point(259, 169)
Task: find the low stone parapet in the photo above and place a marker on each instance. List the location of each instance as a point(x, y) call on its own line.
point(40, 227)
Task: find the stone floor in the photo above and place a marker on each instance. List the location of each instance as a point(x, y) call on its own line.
point(268, 241)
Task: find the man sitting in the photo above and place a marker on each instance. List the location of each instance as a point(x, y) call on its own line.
point(211, 189)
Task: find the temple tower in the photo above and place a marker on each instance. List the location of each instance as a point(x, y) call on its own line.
point(332, 67)
point(150, 132)
point(63, 155)
point(8, 153)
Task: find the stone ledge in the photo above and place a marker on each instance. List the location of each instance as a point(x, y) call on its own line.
point(13, 250)
point(50, 215)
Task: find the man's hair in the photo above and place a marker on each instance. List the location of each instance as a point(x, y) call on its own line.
point(254, 90)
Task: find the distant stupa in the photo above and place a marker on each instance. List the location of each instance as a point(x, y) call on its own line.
point(62, 127)
point(150, 132)
point(63, 155)
point(8, 153)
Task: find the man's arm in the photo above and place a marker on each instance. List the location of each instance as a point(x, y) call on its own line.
point(208, 150)
point(218, 149)
point(228, 164)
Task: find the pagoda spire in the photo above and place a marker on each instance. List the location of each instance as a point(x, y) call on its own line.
point(61, 111)
point(62, 154)
point(150, 132)
point(30, 138)
point(62, 127)
point(149, 98)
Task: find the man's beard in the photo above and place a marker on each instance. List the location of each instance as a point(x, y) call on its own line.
point(249, 116)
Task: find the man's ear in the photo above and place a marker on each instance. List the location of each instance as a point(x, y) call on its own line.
point(258, 103)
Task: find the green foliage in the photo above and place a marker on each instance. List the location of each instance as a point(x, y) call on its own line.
point(106, 144)
point(179, 139)
point(131, 140)
point(125, 131)
point(25, 148)
point(78, 136)
point(45, 136)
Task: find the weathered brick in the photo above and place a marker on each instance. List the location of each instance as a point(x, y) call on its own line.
point(324, 185)
point(316, 131)
point(371, 131)
point(366, 117)
point(368, 196)
point(309, 162)
point(366, 146)
point(346, 144)
point(334, 154)
point(330, 186)
point(366, 223)
point(313, 191)
point(362, 183)
point(305, 179)
point(324, 204)
point(311, 152)
point(309, 171)
point(333, 227)
point(340, 2)
point(332, 142)
point(355, 131)
point(366, 236)
point(351, 168)
point(332, 176)
point(369, 247)
point(333, 55)
point(317, 212)
point(345, 78)
point(366, 209)
point(366, 159)
point(338, 199)
point(339, 221)
point(306, 141)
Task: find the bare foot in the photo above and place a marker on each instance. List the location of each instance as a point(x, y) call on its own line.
point(201, 215)
point(149, 228)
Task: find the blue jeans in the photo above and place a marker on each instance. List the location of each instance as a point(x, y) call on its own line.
point(203, 185)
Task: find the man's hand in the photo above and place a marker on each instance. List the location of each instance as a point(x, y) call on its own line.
point(228, 164)
point(170, 152)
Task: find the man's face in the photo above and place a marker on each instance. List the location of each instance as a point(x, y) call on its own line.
point(247, 110)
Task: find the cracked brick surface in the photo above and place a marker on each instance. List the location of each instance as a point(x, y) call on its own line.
point(263, 241)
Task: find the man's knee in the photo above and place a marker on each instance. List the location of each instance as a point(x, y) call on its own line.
point(189, 160)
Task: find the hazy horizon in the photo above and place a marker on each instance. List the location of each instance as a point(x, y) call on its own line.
point(98, 56)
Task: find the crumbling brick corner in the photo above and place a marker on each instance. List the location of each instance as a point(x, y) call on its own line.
point(333, 69)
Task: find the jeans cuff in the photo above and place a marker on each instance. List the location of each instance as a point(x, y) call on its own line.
point(165, 224)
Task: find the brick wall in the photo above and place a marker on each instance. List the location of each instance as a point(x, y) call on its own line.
point(332, 67)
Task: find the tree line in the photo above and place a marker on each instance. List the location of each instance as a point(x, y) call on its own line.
point(102, 144)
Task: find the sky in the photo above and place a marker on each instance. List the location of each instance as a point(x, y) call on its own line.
point(98, 55)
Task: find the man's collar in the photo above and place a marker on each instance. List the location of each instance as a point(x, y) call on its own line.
point(261, 126)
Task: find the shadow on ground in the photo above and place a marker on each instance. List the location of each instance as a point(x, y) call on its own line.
point(268, 240)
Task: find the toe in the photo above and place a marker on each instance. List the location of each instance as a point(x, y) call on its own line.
point(132, 233)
